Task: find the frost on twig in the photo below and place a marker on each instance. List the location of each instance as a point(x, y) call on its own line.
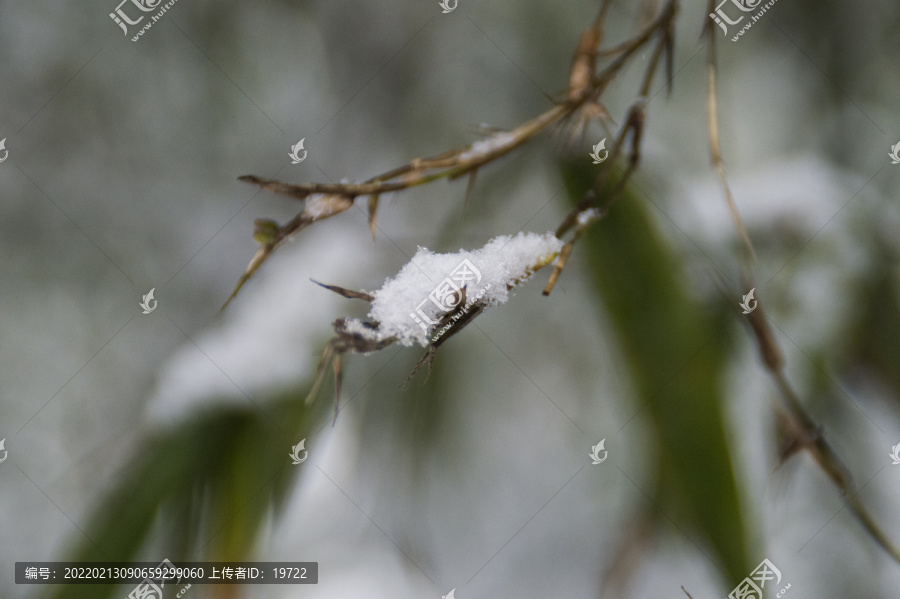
point(434, 296)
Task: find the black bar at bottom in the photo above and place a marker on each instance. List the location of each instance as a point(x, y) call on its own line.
point(167, 573)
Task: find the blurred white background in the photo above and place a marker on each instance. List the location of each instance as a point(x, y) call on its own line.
point(122, 177)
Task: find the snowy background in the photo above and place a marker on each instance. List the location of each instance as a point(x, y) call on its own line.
point(122, 177)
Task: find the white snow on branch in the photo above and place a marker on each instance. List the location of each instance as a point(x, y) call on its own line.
point(320, 204)
point(484, 147)
point(409, 305)
point(586, 217)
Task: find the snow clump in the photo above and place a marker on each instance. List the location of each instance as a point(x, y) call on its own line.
point(409, 305)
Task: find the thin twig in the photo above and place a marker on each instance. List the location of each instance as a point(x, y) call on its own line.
point(805, 433)
point(585, 86)
point(712, 120)
point(809, 436)
point(634, 126)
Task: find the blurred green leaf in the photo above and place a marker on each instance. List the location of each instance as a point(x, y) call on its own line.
point(676, 350)
point(873, 342)
point(205, 485)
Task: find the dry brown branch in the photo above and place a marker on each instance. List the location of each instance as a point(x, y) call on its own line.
point(270, 235)
point(585, 87)
point(803, 433)
point(419, 171)
point(589, 209)
point(715, 150)
point(584, 90)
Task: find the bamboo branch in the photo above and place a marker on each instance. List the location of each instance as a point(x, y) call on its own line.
point(585, 86)
point(715, 149)
point(805, 434)
point(589, 209)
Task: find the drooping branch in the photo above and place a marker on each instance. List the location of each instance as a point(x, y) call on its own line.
point(802, 430)
point(597, 202)
point(324, 200)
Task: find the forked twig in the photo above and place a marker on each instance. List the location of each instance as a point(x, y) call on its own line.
point(590, 208)
point(324, 200)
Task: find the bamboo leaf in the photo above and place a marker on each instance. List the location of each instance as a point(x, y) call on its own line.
point(204, 486)
point(676, 354)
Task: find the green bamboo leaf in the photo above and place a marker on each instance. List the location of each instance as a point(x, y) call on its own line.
point(676, 350)
point(204, 486)
point(873, 339)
